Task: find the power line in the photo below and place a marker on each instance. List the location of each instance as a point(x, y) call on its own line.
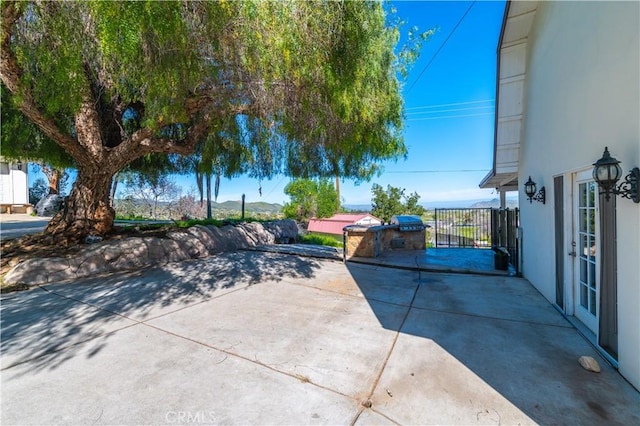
point(441, 46)
point(439, 171)
point(451, 104)
point(276, 185)
point(449, 116)
point(438, 111)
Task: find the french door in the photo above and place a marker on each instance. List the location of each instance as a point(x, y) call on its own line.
point(585, 240)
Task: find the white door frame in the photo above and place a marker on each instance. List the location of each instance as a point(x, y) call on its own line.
point(586, 263)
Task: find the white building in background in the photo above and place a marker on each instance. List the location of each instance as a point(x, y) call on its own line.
point(14, 186)
point(569, 86)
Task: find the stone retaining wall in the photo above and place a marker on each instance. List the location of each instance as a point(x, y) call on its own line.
point(137, 252)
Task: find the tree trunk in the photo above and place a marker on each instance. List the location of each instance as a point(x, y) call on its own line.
point(114, 188)
point(54, 176)
point(154, 211)
point(54, 182)
point(216, 189)
point(87, 210)
point(338, 190)
point(199, 178)
point(208, 179)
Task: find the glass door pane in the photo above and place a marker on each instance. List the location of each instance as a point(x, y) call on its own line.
point(586, 240)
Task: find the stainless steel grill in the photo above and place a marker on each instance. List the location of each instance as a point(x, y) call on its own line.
point(407, 223)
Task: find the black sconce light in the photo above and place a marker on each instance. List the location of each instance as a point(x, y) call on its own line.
point(530, 190)
point(607, 172)
point(19, 165)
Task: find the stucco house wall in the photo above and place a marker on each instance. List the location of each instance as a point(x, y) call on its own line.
point(581, 94)
point(14, 187)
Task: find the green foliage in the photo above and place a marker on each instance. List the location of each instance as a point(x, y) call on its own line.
point(303, 88)
point(192, 222)
point(37, 191)
point(386, 203)
point(306, 88)
point(216, 222)
point(303, 193)
point(310, 198)
point(389, 202)
point(327, 202)
point(320, 240)
point(411, 205)
point(131, 216)
point(21, 139)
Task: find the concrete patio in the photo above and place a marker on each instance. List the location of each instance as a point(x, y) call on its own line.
point(450, 260)
point(267, 338)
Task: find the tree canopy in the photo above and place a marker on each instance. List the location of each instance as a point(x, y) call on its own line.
point(393, 201)
point(305, 88)
point(22, 139)
point(310, 198)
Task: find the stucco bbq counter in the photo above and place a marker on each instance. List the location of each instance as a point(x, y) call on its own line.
point(403, 233)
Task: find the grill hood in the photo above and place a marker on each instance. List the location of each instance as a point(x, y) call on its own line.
point(407, 222)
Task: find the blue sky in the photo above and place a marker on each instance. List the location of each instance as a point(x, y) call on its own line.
point(449, 111)
point(449, 101)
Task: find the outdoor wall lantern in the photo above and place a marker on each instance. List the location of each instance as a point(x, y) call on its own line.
point(530, 190)
point(607, 172)
point(19, 165)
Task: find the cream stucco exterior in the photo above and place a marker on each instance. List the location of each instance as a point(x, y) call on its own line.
point(581, 92)
point(14, 187)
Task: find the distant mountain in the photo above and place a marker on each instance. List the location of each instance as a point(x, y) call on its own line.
point(258, 207)
point(358, 207)
point(494, 204)
point(456, 204)
point(227, 207)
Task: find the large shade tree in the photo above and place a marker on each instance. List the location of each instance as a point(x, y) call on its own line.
point(312, 85)
point(23, 140)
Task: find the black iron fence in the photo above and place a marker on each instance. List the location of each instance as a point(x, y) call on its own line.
point(504, 232)
point(478, 228)
point(463, 228)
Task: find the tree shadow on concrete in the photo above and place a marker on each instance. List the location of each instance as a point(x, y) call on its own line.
point(53, 323)
point(501, 330)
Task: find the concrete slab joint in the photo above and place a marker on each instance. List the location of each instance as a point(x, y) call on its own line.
point(111, 256)
point(253, 337)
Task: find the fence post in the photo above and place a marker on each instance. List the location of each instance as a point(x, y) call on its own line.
point(436, 225)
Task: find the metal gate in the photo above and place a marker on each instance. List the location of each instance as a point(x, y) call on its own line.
point(478, 228)
point(469, 228)
point(504, 232)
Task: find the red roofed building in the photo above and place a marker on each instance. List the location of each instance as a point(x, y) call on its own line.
point(334, 224)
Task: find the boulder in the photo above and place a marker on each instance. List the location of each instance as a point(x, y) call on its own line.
point(235, 238)
point(194, 247)
point(221, 243)
point(40, 271)
point(136, 252)
point(258, 233)
point(91, 264)
point(133, 254)
point(284, 231)
point(174, 251)
point(206, 237)
point(156, 250)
